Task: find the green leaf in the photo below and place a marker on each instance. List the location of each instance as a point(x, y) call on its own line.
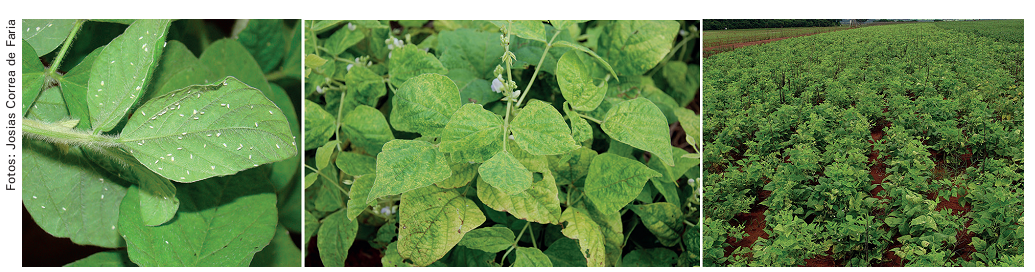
point(358, 196)
point(580, 129)
point(682, 79)
point(237, 127)
point(580, 226)
point(310, 179)
point(88, 213)
point(650, 257)
point(311, 225)
point(538, 204)
point(319, 125)
point(321, 26)
point(664, 219)
point(691, 123)
point(342, 39)
point(666, 183)
point(636, 46)
point(531, 257)
point(565, 253)
point(329, 198)
point(640, 124)
point(575, 77)
point(113, 258)
point(227, 57)
point(46, 35)
point(367, 128)
point(324, 153)
point(528, 29)
point(409, 61)
point(475, 130)
point(539, 129)
point(572, 166)
point(562, 24)
point(490, 239)
point(281, 252)
point(614, 181)
point(293, 58)
point(611, 229)
point(73, 89)
point(335, 238)
point(355, 164)
point(471, 50)
point(432, 220)
point(176, 59)
point(463, 173)
point(49, 106)
point(198, 235)
point(425, 104)
point(158, 202)
point(392, 257)
point(264, 40)
point(365, 86)
point(121, 72)
point(590, 52)
point(405, 165)
point(505, 173)
point(32, 76)
point(286, 170)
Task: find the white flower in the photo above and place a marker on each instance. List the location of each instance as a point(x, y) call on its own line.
point(497, 84)
point(386, 210)
point(390, 47)
point(683, 33)
point(319, 90)
point(517, 94)
point(352, 27)
point(348, 68)
point(389, 53)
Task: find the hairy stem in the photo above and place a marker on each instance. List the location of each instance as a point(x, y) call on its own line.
point(65, 133)
point(64, 48)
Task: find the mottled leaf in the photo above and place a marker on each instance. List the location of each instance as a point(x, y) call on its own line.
point(614, 181)
point(409, 61)
point(664, 219)
point(489, 239)
point(531, 257)
point(432, 221)
point(636, 46)
point(640, 124)
point(405, 165)
point(505, 173)
point(358, 196)
point(425, 104)
point(473, 129)
point(539, 129)
point(355, 164)
point(580, 226)
point(335, 238)
point(579, 87)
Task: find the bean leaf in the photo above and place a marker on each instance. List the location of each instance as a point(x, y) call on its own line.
point(540, 129)
point(425, 104)
point(505, 173)
point(640, 124)
point(432, 221)
point(490, 239)
point(636, 46)
point(531, 257)
point(335, 238)
point(474, 130)
point(409, 61)
point(404, 165)
point(319, 125)
point(580, 226)
point(121, 72)
point(614, 181)
point(575, 78)
point(664, 219)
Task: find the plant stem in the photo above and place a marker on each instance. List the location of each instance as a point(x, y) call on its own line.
point(537, 68)
point(64, 48)
point(590, 118)
point(510, 78)
point(514, 245)
point(64, 133)
point(337, 127)
point(317, 171)
point(275, 75)
point(668, 56)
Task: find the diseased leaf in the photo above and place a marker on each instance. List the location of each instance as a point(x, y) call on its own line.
point(405, 165)
point(580, 226)
point(392, 257)
point(666, 183)
point(198, 235)
point(691, 123)
point(471, 50)
point(636, 46)
point(364, 86)
point(355, 164)
point(281, 252)
point(425, 104)
point(236, 126)
point(264, 40)
point(121, 72)
point(528, 29)
point(565, 253)
point(614, 181)
point(409, 61)
point(311, 225)
point(664, 219)
point(342, 39)
point(475, 130)
point(329, 198)
point(640, 124)
point(32, 76)
point(46, 35)
point(113, 258)
point(539, 129)
point(463, 173)
point(580, 129)
point(539, 203)
point(531, 257)
point(489, 239)
point(358, 196)
point(335, 238)
point(505, 173)
point(324, 153)
point(319, 125)
point(432, 221)
point(611, 229)
point(590, 52)
point(575, 77)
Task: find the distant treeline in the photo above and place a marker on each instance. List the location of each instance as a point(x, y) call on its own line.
point(775, 23)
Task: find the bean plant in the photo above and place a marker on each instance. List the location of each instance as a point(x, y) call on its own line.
point(135, 144)
point(501, 143)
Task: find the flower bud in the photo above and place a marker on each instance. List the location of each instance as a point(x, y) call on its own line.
point(352, 27)
point(319, 90)
point(497, 84)
point(348, 68)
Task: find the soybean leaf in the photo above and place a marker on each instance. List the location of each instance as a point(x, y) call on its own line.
point(319, 125)
point(46, 35)
point(263, 38)
point(281, 252)
point(691, 123)
point(409, 61)
point(650, 257)
point(367, 128)
point(321, 26)
point(310, 179)
point(562, 24)
point(490, 239)
point(342, 39)
point(158, 202)
point(463, 173)
point(528, 29)
point(611, 229)
point(237, 121)
point(311, 225)
point(404, 165)
point(471, 50)
point(112, 258)
point(293, 58)
point(198, 235)
point(461, 256)
point(682, 81)
point(122, 71)
point(580, 129)
point(432, 221)
point(572, 166)
point(636, 46)
point(32, 76)
point(565, 253)
point(79, 201)
point(49, 106)
point(666, 183)
point(286, 170)
point(324, 153)
point(335, 238)
point(355, 164)
point(590, 52)
point(614, 181)
point(473, 128)
point(540, 130)
point(73, 89)
point(358, 196)
point(575, 78)
point(505, 173)
point(580, 226)
point(329, 198)
point(392, 257)
point(664, 219)
point(365, 86)
point(531, 257)
point(425, 104)
point(640, 124)
point(539, 203)
point(227, 57)
point(289, 201)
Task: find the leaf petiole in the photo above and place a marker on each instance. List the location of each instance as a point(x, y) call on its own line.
point(64, 48)
point(590, 118)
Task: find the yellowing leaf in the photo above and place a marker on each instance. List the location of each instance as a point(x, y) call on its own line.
point(405, 165)
point(614, 181)
point(432, 221)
